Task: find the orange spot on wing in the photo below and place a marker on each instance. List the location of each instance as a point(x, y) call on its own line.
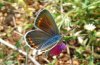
point(44, 23)
point(31, 43)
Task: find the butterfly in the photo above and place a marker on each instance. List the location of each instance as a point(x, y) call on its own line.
point(46, 36)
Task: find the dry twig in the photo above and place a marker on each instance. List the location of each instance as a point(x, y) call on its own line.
point(19, 50)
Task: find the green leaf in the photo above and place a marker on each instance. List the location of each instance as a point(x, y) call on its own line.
point(28, 26)
point(53, 62)
point(69, 37)
point(1, 5)
point(91, 59)
point(18, 43)
point(1, 54)
point(8, 62)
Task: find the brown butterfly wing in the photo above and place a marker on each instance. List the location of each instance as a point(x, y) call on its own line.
point(36, 38)
point(45, 22)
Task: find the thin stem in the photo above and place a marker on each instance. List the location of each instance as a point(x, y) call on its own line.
point(19, 50)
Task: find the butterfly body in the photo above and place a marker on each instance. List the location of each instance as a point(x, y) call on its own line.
point(50, 42)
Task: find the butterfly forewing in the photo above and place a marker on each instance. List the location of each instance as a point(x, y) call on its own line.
point(45, 22)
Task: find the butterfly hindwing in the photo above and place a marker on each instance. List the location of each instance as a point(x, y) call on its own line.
point(36, 38)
